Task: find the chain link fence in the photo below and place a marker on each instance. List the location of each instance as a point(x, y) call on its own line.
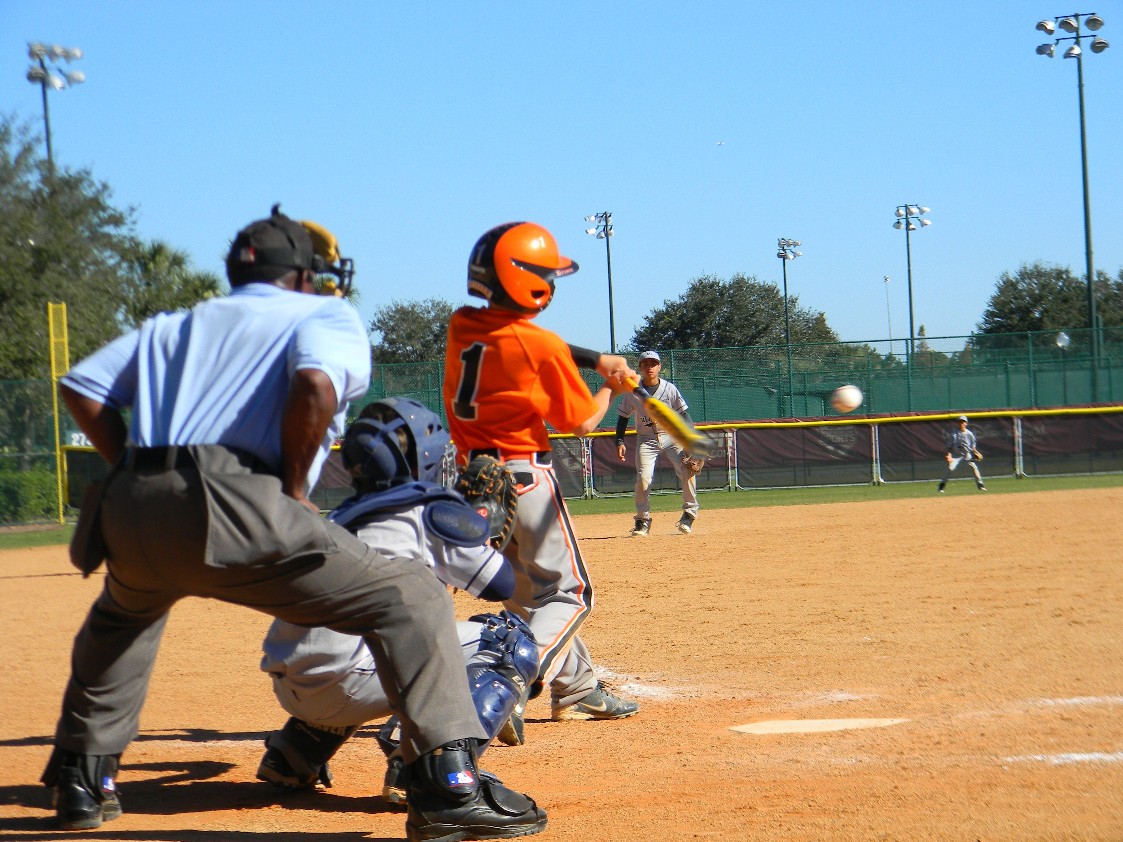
point(941, 374)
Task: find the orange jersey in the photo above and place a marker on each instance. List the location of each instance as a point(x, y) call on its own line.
point(505, 379)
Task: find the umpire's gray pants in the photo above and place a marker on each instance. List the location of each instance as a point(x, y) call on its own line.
point(222, 531)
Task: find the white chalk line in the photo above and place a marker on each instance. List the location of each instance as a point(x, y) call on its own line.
point(1067, 758)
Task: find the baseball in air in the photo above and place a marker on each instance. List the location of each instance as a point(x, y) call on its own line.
point(846, 398)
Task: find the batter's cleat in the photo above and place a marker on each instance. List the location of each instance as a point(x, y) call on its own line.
point(450, 800)
point(599, 704)
point(940, 488)
point(513, 731)
point(642, 528)
point(83, 789)
point(685, 523)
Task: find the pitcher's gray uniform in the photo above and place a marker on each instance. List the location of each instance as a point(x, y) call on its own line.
point(651, 441)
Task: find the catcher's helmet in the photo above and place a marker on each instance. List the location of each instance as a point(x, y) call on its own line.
point(514, 266)
point(394, 441)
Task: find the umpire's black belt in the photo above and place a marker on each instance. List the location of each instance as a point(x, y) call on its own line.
point(540, 457)
point(166, 458)
point(175, 457)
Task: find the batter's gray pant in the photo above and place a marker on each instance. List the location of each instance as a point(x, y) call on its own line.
point(219, 530)
point(647, 454)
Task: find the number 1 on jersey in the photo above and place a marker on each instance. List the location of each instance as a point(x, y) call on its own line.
point(471, 358)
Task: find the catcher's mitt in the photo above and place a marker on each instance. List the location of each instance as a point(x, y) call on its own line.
point(693, 464)
point(490, 489)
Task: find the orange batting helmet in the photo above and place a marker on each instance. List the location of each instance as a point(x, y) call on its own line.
point(515, 265)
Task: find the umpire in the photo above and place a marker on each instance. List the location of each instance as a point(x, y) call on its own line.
point(234, 406)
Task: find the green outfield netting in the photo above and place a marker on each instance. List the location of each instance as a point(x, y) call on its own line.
point(1011, 372)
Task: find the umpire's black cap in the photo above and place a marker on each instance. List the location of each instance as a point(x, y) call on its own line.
point(269, 248)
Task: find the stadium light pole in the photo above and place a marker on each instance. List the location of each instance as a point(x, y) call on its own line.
point(907, 217)
point(888, 315)
point(785, 250)
point(602, 230)
point(40, 74)
point(1072, 24)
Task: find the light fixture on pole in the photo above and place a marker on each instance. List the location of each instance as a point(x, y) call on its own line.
point(40, 74)
point(1072, 24)
point(907, 217)
point(603, 231)
point(785, 250)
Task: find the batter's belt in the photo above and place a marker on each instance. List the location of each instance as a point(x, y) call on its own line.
point(539, 457)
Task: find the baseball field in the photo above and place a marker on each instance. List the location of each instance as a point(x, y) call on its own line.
point(945, 667)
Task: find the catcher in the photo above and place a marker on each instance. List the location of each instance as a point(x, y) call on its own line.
point(398, 452)
point(962, 447)
point(651, 441)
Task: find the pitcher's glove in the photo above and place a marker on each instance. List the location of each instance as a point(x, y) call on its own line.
point(693, 464)
point(490, 489)
point(978, 456)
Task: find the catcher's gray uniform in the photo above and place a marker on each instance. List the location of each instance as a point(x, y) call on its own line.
point(330, 679)
point(652, 441)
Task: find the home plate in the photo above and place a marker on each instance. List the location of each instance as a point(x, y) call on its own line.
point(811, 726)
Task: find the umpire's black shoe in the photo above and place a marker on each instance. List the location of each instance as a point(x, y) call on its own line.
point(78, 807)
point(450, 801)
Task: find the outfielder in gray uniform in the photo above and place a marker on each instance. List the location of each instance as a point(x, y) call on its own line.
point(962, 447)
point(234, 406)
point(398, 453)
point(651, 441)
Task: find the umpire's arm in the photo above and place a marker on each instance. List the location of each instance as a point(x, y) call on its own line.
point(311, 405)
point(103, 425)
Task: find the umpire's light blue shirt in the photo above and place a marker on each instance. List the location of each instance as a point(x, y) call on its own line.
point(219, 374)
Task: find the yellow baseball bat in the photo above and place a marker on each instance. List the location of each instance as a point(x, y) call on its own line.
point(694, 443)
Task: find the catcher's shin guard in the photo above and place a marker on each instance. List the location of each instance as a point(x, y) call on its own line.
point(296, 757)
point(84, 788)
point(503, 669)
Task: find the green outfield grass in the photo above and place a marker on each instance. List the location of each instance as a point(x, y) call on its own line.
point(672, 502)
point(16, 538)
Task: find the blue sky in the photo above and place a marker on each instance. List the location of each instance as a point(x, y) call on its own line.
point(708, 129)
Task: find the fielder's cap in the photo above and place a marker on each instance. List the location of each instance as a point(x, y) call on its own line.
point(649, 355)
point(961, 418)
point(268, 248)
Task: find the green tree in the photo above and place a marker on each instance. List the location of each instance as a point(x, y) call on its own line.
point(60, 240)
point(410, 331)
point(1039, 297)
point(740, 312)
point(158, 278)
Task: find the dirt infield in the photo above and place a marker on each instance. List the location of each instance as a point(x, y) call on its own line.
point(993, 625)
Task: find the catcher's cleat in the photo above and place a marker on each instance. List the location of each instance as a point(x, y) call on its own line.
point(685, 523)
point(513, 731)
point(395, 786)
point(599, 704)
point(275, 769)
point(642, 527)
